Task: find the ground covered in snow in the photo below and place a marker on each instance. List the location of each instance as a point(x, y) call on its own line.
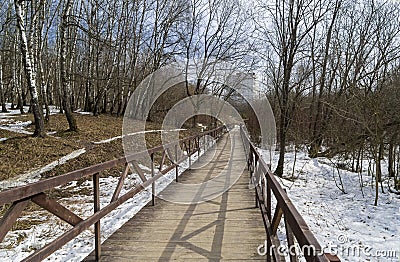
point(346, 223)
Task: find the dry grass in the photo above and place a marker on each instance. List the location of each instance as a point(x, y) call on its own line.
point(22, 153)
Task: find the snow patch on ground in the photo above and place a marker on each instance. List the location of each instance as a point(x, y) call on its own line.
point(343, 221)
point(12, 112)
point(136, 133)
point(17, 127)
point(3, 139)
point(79, 111)
point(11, 125)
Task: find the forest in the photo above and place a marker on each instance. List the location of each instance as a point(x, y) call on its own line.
point(330, 69)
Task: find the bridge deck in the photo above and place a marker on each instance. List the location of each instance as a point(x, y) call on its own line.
point(227, 227)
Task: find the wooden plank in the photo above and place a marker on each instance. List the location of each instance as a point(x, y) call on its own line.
point(96, 202)
point(139, 171)
point(269, 201)
point(56, 209)
point(162, 160)
point(153, 185)
point(8, 219)
point(272, 239)
point(120, 184)
point(170, 155)
point(290, 240)
point(176, 162)
point(277, 219)
point(332, 258)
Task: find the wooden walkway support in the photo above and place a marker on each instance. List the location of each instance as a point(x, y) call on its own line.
point(226, 228)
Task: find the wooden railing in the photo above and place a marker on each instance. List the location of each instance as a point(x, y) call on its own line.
point(19, 197)
point(267, 187)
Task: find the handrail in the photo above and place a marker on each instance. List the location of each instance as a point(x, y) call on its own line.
point(19, 197)
point(296, 227)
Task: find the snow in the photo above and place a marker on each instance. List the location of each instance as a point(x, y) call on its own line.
point(136, 133)
point(203, 127)
point(343, 222)
point(81, 246)
point(34, 176)
point(3, 139)
point(79, 111)
point(18, 127)
point(12, 112)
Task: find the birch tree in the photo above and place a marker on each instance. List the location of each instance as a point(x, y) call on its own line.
point(29, 71)
point(66, 88)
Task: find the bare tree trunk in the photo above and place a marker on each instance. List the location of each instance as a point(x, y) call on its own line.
point(392, 157)
point(43, 86)
point(15, 81)
point(2, 98)
point(377, 170)
point(397, 168)
point(30, 73)
point(40, 48)
point(66, 88)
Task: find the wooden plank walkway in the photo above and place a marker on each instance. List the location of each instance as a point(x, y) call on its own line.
point(226, 228)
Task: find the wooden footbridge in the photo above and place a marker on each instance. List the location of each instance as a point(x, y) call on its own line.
point(209, 213)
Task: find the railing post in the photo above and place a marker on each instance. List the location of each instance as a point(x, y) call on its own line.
point(176, 162)
point(268, 204)
point(256, 197)
point(290, 240)
point(97, 234)
point(250, 160)
point(198, 147)
point(190, 160)
point(153, 185)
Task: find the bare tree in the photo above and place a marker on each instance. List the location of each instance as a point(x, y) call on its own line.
point(291, 23)
point(63, 66)
point(2, 98)
point(30, 71)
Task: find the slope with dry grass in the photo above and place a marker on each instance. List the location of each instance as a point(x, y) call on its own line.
point(20, 153)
